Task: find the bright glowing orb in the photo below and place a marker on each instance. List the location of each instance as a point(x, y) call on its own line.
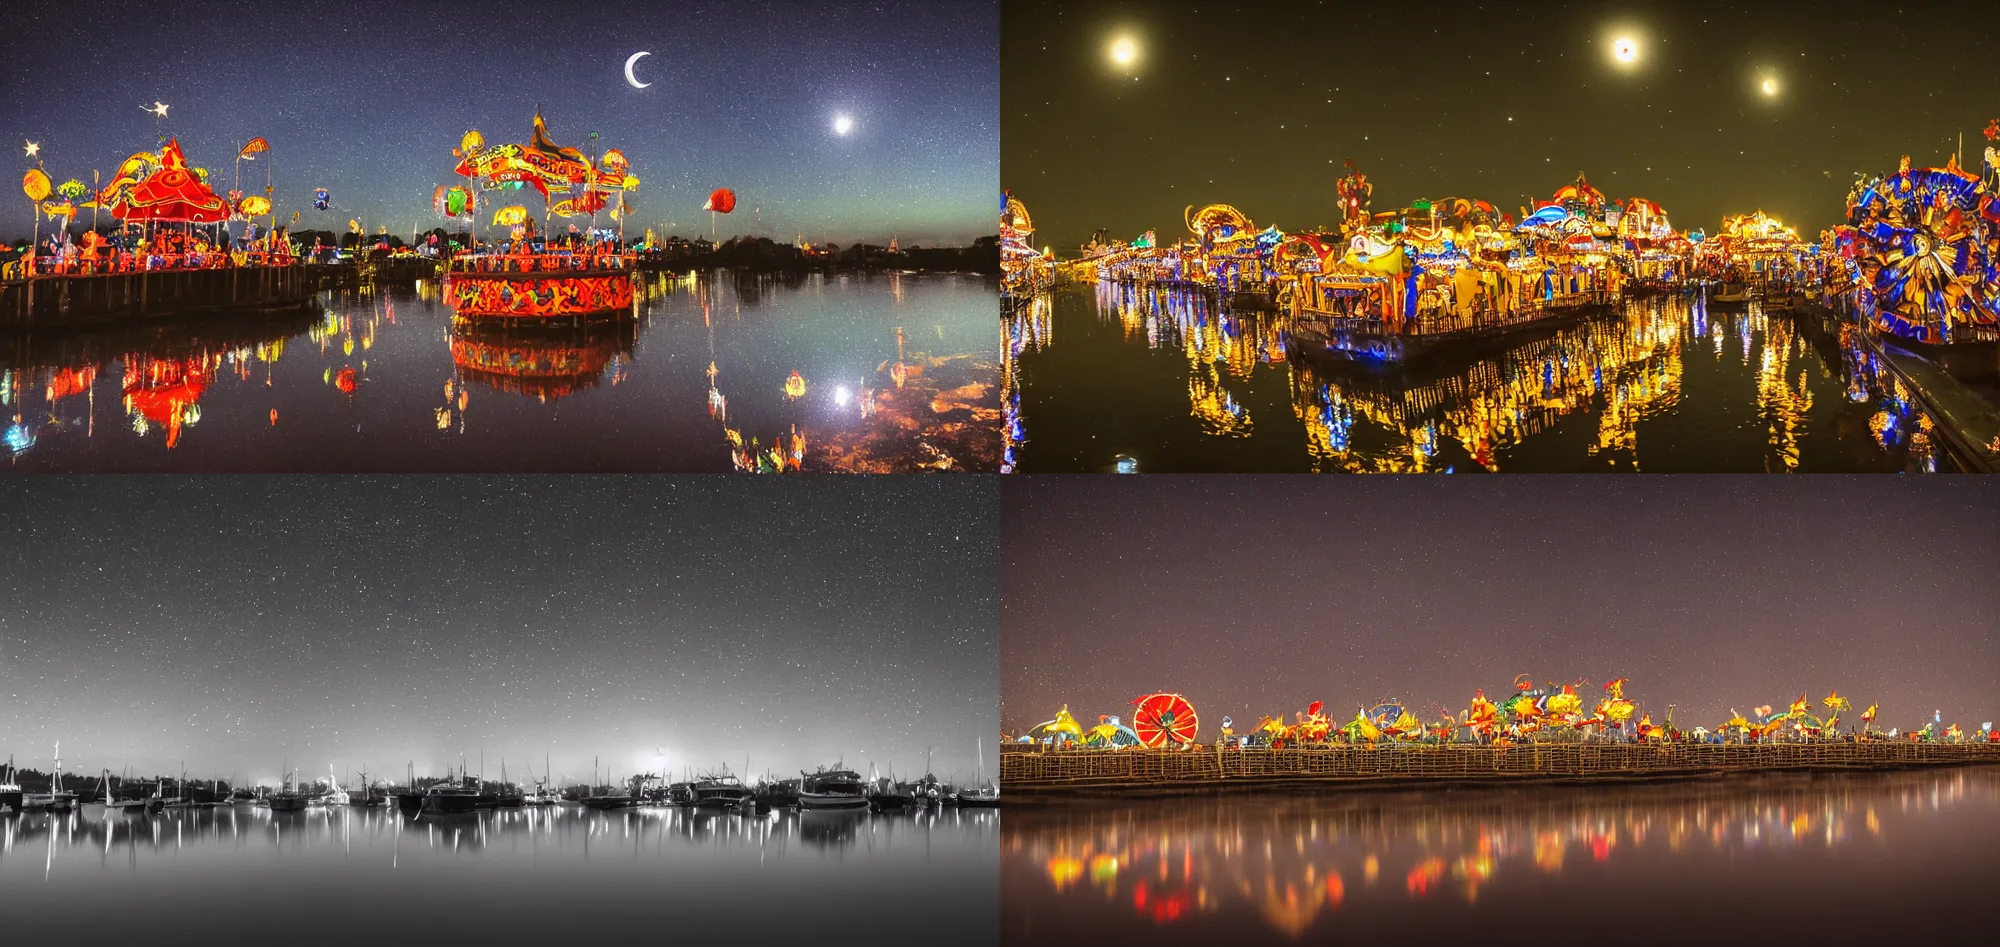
point(1124, 51)
point(842, 124)
point(1625, 50)
point(1770, 87)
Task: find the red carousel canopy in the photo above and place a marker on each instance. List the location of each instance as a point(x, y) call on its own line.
point(173, 193)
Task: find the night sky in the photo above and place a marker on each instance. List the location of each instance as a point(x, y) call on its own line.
point(368, 100)
point(1255, 595)
point(1258, 105)
point(235, 623)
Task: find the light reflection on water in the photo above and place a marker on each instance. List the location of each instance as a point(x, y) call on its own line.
point(542, 871)
point(897, 373)
point(1767, 852)
point(1173, 382)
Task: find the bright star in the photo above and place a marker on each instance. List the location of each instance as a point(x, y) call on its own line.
point(1625, 50)
point(842, 124)
point(1770, 87)
point(158, 108)
point(34, 147)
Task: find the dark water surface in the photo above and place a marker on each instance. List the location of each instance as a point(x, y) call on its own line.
point(1104, 377)
point(550, 875)
point(384, 381)
point(1851, 858)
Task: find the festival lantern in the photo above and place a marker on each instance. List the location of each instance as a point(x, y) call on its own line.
point(795, 386)
point(512, 215)
point(322, 199)
point(1161, 719)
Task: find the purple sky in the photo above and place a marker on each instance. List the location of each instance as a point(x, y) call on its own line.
point(1256, 595)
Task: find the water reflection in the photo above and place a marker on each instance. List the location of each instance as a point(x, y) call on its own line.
point(1172, 382)
point(633, 867)
point(728, 371)
point(1249, 869)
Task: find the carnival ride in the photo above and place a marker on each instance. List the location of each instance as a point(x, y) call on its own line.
point(169, 219)
point(1923, 254)
point(1533, 713)
point(529, 276)
point(1024, 271)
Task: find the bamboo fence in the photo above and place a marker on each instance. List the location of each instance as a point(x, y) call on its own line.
point(1034, 769)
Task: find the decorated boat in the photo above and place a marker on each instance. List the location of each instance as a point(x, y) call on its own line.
point(528, 276)
point(1450, 277)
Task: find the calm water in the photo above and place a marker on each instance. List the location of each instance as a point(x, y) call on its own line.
point(559, 873)
point(383, 381)
point(1103, 378)
point(1881, 858)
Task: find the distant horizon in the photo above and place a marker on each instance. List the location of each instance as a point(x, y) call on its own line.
point(1256, 595)
point(652, 623)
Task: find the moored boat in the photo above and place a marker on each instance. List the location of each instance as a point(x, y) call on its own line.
point(833, 789)
point(722, 791)
point(55, 800)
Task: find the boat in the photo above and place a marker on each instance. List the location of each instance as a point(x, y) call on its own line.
point(143, 806)
point(778, 794)
point(681, 794)
point(288, 798)
point(832, 789)
point(455, 796)
point(986, 795)
point(508, 796)
point(1730, 294)
point(542, 282)
point(55, 800)
point(722, 791)
point(334, 796)
point(10, 790)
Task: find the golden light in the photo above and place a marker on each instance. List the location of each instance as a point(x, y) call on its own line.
point(1770, 87)
point(1625, 50)
point(1124, 51)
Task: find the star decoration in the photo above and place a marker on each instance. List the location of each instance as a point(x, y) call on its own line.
point(34, 148)
point(158, 108)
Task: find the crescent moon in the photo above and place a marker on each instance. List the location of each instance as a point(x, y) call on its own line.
point(629, 77)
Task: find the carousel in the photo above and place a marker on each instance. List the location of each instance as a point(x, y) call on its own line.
point(530, 276)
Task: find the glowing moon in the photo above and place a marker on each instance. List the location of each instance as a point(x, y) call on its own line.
point(842, 124)
point(1625, 50)
point(1124, 51)
point(1770, 87)
point(629, 77)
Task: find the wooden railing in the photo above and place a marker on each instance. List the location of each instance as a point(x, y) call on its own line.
point(1052, 770)
point(119, 263)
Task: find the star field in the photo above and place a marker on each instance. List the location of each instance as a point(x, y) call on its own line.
point(236, 623)
point(368, 101)
point(1258, 105)
point(1258, 595)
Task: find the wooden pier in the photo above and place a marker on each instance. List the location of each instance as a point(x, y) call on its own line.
point(45, 302)
point(1041, 771)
